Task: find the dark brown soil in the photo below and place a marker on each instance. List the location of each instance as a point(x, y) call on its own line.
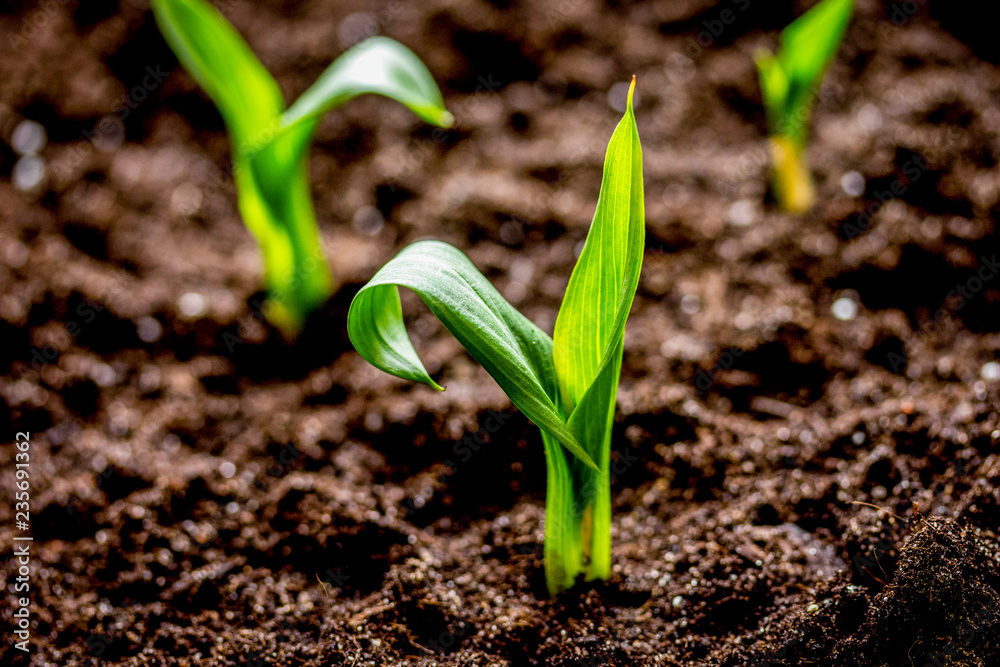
point(790, 488)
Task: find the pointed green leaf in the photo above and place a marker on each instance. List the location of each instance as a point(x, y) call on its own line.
point(587, 353)
point(377, 65)
point(591, 323)
point(790, 79)
point(773, 87)
point(809, 44)
point(513, 350)
point(222, 63)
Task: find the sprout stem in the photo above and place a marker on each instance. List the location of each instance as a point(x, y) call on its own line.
point(577, 517)
point(793, 184)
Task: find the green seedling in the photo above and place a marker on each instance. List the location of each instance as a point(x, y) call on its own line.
point(567, 384)
point(789, 82)
point(270, 143)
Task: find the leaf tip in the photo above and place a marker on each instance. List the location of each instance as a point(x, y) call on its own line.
point(446, 119)
point(762, 55)
point(631, 92)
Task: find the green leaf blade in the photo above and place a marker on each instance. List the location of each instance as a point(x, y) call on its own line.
point(377, 65)
point(809, 44)
point(513, 350)
point(790, 79)
point(219, 59)
point(591, 321)
point(588, 346)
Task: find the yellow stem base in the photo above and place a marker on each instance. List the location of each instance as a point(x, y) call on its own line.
point(793, 184)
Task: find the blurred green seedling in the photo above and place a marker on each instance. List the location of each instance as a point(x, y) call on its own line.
point(789, 82)
point(567, 384)
point(270, 143)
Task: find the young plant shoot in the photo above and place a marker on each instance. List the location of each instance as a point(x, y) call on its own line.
point(789, 82)
point(270, 143)
point(566, 385)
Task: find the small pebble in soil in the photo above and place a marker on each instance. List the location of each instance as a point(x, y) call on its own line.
point(675, 195)
point(990, 371)
point(28, 173)
point(192, 304)
point(853, 183)
point(171, 443)
point(15, 254)
point(374, 422)
point(690, 304)
point(368, 220)
point(869, 117)
point(119, 425)
point(858, 438)
point(148, 329)
point(103, 375)
point(109, 134)
point(28, 138)
point(512, 232)
point(845, 309)
point(186, 199)
point(227, 469)
point(742, 213)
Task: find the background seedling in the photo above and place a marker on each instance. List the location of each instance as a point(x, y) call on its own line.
point(789, 82)
point(270, 142)
point(567, 384)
